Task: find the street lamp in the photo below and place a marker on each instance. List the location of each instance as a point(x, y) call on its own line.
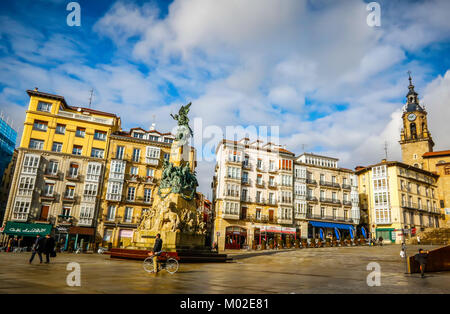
point(404, 248)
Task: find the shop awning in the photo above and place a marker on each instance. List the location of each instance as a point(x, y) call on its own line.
point(321, 224)
point(26, 229)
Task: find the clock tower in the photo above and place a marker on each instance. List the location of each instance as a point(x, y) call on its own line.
point(415, 138)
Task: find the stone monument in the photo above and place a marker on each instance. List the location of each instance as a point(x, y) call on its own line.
point(174, 213)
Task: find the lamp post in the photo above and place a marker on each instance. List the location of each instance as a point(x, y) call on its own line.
point(404, 249)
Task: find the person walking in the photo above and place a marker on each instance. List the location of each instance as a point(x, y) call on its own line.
point(49, 247)
point(418, 240)
point(38, 248)
point(421, 258)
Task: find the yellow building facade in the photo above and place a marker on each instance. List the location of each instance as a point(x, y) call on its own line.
point(134, 169)
point(59, 168)
point(398, 196)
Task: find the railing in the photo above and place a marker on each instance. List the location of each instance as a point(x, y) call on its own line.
point(260, 218)
point(271, 202)
point(272, 185)
point(230, 194)
point(260, 201)
point(346, 186)
point(247, 166)
point(69, 198)
point(232, 177)
point(283, 200)
point(230, 216)
point(260, 184)
point(65, 218)
point(246, 199)
point(85, 117)
point(330, 201)
point(54, 175)
point(330, 184)
point(113, 197)
point(85, 221)
point(347, 203)
point(285, 221)
point(49, 197)
point(246, 182)
point(311, 198)
point(72, 176)
point(325, 217)
point(311, 181)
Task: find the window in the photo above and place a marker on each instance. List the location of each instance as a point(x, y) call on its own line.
point(48, 189)
point(119, 152)
point(334, 213)
point(60, 129)
point(147, 195)
point(44, 106)
point(93, 171)
point(259, 164)
point(52, 167)
point(36, 144)
point(111, 213)
point(153, 138)
point(134, 171)
point(57, 147)
point(90, 191)
point(322, 212)
point(100, 135)
point(77, 150)
point(30, 164)
point(73, 170)
point(86, 215)
point(138, 135)
point(245, 177)
point(70, 192)
point(40, 126)
point(168, 140)
point(150, 172)
point(271, 165)
point(136, 154)
point(26, 186)
point(81, 132)
point(128, 214)
point(97, 153)
point(151, 154)
point(131, 193)
point(167, 156)
point(21, 209)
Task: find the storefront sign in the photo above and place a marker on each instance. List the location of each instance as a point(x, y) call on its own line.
point(126, 233)
point(26, 229)
point(288, 230)
point(62, 229)
point(81, 230)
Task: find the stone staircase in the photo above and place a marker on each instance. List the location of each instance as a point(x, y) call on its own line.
point(432, 236)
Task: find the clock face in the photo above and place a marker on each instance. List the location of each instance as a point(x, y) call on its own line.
point(411, 117)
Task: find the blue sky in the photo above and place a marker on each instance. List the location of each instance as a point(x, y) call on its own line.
point(313, 68)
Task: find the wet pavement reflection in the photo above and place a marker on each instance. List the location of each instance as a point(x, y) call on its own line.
point(324, 270)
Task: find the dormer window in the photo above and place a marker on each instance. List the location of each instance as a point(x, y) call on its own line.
point(138, 135)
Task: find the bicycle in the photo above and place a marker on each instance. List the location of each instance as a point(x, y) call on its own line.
point(167, 261)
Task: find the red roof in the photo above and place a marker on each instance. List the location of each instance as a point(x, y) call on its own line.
point(441, 153)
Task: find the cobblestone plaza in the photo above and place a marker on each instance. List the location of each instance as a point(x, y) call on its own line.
point(324, 270)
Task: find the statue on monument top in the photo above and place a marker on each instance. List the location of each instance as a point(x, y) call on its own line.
point(184, 129)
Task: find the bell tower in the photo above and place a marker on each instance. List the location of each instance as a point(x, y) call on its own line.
point(415, 138)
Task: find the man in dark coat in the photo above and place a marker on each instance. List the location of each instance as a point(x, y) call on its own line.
point(421, 258)
point(156, 252)
point(49, 247)
point(38, 247)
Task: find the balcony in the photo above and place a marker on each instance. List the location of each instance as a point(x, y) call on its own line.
point(65, 219)
point(230, 194)
point(260, 184)
point(49, 197)
point(311, 198)
point(229, 177)
point(311, 182)
point(246, 199)
point(132, 178)
point(71, 176)
point(272, 185)
point(53, 175)
point(261, 201)
point(346, 186)
point(233, 162)
point(347, 203)
point(246, 182)
point(273, 170)
point(152, 161)
point(230, 216)
point(333, 185)
point(259, 218)
point(300, 215)
point(272, 202)
point(69, 198)
point(149, 180)
point(329, 218)
point(330, 201)
point(246, 166)
point(113, 197)
point(260, 169)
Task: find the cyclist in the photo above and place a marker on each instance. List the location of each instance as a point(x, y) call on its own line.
point(156, 252)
